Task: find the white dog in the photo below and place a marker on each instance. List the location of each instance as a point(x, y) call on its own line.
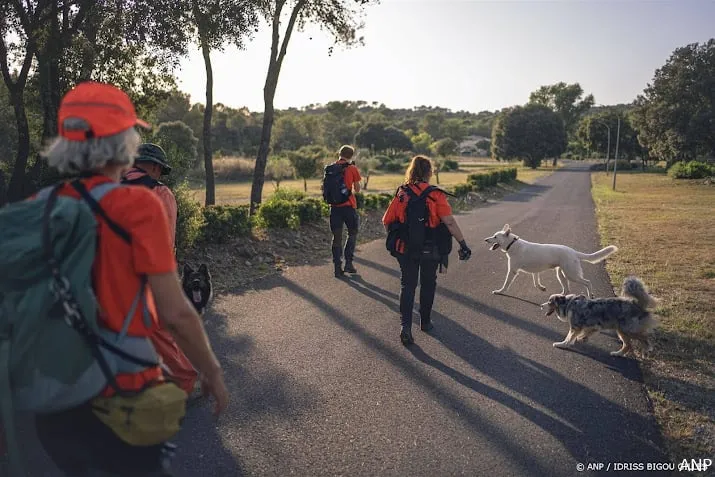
point(536, 257)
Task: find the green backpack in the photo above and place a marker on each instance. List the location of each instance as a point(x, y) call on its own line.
point(53, 353)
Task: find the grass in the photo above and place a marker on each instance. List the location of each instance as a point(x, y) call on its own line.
point(238, 192)
point(664, 231)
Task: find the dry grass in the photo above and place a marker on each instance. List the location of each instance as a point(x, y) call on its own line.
point(238, 192)
point(664, 230)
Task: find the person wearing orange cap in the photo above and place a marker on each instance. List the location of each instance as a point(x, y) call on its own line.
point(98, 141)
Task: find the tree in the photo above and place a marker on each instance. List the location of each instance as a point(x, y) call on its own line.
point(279, 169)
point(218, 22)
point(307, 162)
point(288, 134)
point(22, 22)
point(593, 133)
point(531, 133)
point(368, 166)
point(565, 100)
point(455, 129)
point(381, 137)
point(421, 142)
point(396, 140)
point(675, 114)
point(178, 141)
point(339, 17)
point(432, 124)
point(445, 147)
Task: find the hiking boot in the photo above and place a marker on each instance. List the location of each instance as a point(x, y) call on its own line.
point(339, 273)
point(349, 268)
point(426, 326)
point(406, 337)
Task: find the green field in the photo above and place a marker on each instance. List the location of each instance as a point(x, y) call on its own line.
point(238, 192)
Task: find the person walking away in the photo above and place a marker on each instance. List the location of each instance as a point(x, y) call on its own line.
point(420, 228)
point(95, 261)
point(340, 184)
point(150, 164)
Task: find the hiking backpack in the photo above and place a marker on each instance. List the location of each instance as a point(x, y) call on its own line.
point(420, 240)
point(53, 353)
point(334, 189)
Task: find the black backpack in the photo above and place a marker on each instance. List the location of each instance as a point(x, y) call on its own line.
point(334, 189)
point(420, 240)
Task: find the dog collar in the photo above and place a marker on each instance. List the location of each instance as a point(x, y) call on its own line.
point(512, 243)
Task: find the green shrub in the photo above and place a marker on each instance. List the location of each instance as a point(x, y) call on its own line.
point(450, 165)
point(623, 165)
point(312, 209)
point(224, 222)
point(289, 194)
point(461, 190)
point(279, 213)
point(384, 200)
point(690, 170)
point(360, 200)
point(393, 166)
point(190, 220)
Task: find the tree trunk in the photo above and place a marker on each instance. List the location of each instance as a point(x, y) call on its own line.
point(208, 111)
point(305, 184)
point(259, 173)
point(18, 188)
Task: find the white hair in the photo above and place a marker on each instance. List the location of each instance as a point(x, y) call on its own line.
point(93, 154)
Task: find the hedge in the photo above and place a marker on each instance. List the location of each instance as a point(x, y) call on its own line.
point(691, 170)
point(482, 180)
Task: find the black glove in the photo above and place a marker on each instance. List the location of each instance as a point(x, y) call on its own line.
point(464, 251)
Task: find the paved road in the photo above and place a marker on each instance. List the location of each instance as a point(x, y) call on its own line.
point(322, 386)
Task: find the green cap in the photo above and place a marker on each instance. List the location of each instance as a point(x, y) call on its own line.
point(153, 153)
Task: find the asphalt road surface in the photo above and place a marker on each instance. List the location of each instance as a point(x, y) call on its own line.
point(321, 384)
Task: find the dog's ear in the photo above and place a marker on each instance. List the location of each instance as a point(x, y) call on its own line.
point(187, 270)
point(506, 229)
point(204, 269)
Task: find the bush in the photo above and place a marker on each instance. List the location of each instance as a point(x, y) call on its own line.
point(461, 190)
point(374, 201)
point(690, 170)
point(312, 210)
point(482, 180)
point(393, 166)
point(190, 221)
point(450, 165)
point(224, 222)
point(279, 213)
point(360, 200)
point(290, 209)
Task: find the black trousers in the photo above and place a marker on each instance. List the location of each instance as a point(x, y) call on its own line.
point(81, 445)
point(413, 270)
point(339, 217)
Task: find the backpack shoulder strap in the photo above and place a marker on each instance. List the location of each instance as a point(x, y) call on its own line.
point(427, 191)
point(408, 190)
point(92, 198)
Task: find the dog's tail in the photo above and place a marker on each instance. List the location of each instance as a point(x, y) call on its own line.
point(634, 288)
point(596, 257)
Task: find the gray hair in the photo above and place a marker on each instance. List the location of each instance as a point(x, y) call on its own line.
point(94, 153)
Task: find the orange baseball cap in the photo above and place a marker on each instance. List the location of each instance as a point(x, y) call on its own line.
point(93, 109)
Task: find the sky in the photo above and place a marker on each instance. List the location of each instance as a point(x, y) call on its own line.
point(468, 55)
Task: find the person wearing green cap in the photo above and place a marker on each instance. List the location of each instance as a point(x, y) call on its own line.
point(149, 165)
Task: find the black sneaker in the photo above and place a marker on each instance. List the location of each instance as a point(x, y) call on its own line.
point(426, 326)
point(406, 337)
point(349, 268)
point(339, 273)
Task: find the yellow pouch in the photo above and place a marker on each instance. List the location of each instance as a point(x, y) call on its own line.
point(149, 418)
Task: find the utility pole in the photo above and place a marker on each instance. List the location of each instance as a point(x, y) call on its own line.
point(615, 160)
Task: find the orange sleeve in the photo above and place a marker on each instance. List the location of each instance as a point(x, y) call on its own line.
point(355, 173)
point(392, 213)
point(169, 201)
point(442, 207)
point(145, 218)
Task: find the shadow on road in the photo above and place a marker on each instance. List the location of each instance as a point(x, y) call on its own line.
point(532, 390)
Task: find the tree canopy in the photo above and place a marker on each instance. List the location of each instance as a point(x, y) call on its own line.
point(530, 133)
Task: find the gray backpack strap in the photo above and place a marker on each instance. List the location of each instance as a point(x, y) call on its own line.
point(98, 192)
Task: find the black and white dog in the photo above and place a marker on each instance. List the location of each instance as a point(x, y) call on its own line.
point(197, 286)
